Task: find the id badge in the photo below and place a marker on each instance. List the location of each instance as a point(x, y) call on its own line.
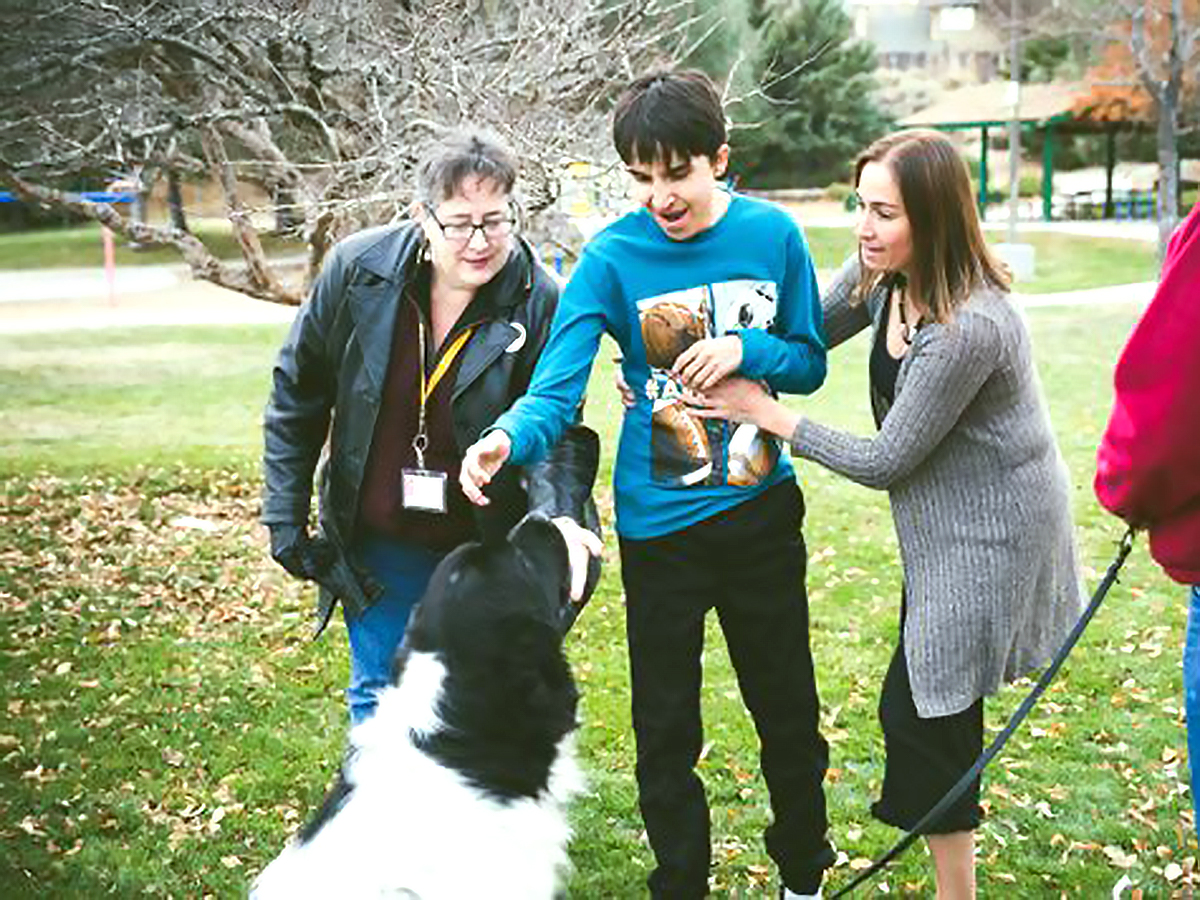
point(423, 489)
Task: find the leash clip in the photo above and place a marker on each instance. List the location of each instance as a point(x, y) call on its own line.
point(1127, 540)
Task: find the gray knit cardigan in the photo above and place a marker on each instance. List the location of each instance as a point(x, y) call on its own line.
point(979, 495)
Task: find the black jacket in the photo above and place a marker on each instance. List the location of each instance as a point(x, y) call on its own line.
point(332, 367)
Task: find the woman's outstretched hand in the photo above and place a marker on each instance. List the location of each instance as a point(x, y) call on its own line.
point(482, 460)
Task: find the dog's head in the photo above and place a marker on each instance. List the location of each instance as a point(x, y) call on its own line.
point(480, 589)
point(492, 615)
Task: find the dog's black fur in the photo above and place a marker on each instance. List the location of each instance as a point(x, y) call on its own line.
point(492, 613)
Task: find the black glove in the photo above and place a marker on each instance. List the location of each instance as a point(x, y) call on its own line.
point(302, 555)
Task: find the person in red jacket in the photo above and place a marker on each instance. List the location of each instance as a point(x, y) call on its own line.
point(1148, 465)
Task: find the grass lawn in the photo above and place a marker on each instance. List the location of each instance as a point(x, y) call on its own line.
point(81, 247)
point(144, 396)
point(1062, 262)
point(168, 722)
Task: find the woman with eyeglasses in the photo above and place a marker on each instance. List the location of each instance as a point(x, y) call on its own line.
point(414, 338)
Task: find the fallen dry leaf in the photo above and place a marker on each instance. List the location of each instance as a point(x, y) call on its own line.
point(1119, 857)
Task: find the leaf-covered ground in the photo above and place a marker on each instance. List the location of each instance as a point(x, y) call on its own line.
point(166, 720)
point(147, 743)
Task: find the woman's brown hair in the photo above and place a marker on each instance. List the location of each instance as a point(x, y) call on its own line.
point(950, 258)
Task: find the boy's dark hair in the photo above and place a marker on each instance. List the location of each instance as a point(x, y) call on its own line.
point(669, 115)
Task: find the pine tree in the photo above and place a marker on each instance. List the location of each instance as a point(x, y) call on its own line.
point(819, 109)
point(722, 41)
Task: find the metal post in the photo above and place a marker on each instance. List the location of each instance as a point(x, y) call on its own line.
point(1014, 122)
point(983, 171)
point(110, 264)
point(1048, 174)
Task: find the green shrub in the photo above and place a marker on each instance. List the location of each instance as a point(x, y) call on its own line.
point(1029, 185)
point(839, 191)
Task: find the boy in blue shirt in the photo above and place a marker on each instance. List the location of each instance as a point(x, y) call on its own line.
point(697, 284)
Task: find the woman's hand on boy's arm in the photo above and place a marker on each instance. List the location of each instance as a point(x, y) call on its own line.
point(706, 362)
point(623, 388)
point(482, 460)
point(742, 400)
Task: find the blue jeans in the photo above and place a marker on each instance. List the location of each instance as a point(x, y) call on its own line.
point(1191, 687)
point(404, 572)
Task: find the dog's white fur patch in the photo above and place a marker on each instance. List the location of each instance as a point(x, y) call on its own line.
point(414, 829)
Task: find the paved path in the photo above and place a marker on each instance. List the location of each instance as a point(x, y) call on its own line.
point(57, 299)
point(55, 284)
point(1139, 293)
point(1129, 229)
point(54, 300)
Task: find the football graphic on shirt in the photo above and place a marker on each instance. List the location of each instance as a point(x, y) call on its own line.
point(679, 444)
point(751, 455)
point(686, 450)
point(667, 330)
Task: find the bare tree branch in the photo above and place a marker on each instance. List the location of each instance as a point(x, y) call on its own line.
point(1149, 45)
point(201, 261)
point(261, 277)
point(327, 104)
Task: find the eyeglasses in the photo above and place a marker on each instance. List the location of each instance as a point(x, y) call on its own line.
point(493, 229)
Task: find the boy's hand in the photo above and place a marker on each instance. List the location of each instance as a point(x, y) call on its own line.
point(482, 460)
point(706, 362)
point(581, 546)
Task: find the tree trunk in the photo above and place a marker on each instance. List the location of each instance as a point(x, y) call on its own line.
point(287, 218)
point(138, 209)
point(1168, 172)
point(1168, 127)
point(175, 201)
point(1165, 88)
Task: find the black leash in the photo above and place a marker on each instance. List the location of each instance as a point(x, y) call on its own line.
point(1018, 717)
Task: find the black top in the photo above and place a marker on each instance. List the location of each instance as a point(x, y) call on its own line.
point(883, 368)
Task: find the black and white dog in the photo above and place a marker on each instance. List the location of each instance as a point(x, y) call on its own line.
point(457, 787)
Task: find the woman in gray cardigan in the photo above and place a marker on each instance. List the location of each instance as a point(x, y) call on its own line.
point(978, 491)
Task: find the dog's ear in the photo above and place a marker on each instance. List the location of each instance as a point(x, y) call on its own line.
point(543, 546)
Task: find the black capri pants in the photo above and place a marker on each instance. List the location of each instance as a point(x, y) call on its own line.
point(925, 757)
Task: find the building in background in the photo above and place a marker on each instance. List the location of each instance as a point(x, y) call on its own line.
point(946, 40)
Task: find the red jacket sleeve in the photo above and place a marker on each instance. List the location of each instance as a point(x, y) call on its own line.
point(1148, 463)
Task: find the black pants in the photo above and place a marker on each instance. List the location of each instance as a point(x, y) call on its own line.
point(748, 564)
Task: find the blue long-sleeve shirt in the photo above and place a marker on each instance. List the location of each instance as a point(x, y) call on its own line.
point(750, 274)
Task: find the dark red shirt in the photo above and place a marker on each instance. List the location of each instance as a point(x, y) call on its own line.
point(1148, 466)
point(381, 510)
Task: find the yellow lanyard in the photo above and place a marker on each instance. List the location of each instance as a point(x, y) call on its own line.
point(446, 361)
point(421, 439)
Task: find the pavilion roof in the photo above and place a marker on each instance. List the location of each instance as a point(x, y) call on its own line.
point(988, 104)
